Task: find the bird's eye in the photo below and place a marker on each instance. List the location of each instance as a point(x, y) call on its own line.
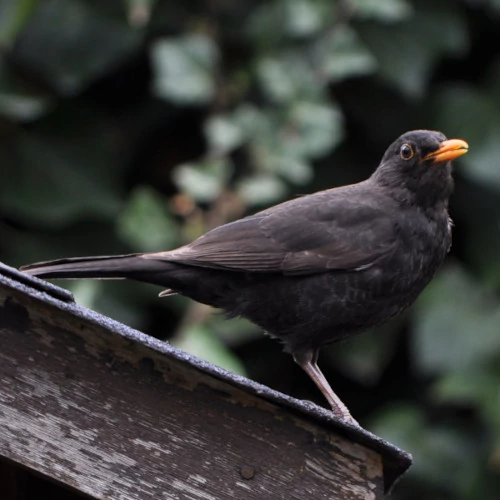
point(406, 152)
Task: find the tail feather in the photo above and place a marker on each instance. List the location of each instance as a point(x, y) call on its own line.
point(116, 266)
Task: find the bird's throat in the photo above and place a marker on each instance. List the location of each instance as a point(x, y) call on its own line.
point(426, 189)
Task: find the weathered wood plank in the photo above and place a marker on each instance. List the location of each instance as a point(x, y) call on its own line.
point(118, 415)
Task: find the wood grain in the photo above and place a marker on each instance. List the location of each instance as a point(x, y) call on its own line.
point(116, 419)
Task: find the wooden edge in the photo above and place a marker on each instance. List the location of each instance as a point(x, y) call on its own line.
point(395, 461)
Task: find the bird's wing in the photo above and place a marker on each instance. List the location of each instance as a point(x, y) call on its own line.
point(309, 235)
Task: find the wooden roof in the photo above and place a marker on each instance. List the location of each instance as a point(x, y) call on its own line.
point(115, 413)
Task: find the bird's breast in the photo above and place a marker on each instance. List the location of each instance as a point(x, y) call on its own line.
point(420, 251)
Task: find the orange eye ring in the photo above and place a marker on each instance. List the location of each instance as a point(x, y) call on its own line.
point(406, 152)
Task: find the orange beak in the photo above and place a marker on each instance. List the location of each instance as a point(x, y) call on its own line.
point(448, 150)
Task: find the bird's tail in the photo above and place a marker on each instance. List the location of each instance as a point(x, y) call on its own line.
point(132, 266)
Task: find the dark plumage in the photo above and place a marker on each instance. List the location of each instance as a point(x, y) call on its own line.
point(318, 268)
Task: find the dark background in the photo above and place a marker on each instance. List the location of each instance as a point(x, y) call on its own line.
point(137, 125)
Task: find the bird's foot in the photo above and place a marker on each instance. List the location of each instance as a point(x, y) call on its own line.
point(343, 414)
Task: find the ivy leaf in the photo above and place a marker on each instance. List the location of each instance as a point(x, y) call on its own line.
point(84, 46)
point(341, 54)
point(456, 324)
point(184, 68)
point(199, 341)
point(294, 169)
point(407, 51)
point(312, 129)
point(382, 10)
point(473, 114)
point(478, 122)
point(18, 101)
point(13, 15)
point(439, 451)
point(145, 224)
point(270, 23)
point(465, 386)
point(223, 134)
point(52, 176)
point(287, 77)
point(365, 357)
point(261, 189)
point(304, 17)
point(203, 181)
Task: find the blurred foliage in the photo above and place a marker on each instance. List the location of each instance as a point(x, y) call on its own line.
point(136, 125)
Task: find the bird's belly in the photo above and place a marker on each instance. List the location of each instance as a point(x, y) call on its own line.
point(319, 309)
point(309, 311)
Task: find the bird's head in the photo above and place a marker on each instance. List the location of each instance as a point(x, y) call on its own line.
point(419, 163)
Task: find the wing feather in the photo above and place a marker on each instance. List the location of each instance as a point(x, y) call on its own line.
point(325, 233)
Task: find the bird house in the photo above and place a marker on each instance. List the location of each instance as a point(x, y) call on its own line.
point(100, 410)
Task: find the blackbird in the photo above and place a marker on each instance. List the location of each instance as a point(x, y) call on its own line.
point(315, 269)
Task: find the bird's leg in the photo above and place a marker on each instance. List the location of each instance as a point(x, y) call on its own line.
point(308, 362)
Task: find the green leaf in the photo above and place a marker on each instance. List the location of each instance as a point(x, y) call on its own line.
point(477, 210)
point(69, 46)
point(273, 23)
point(341, 55)
point(382, 10)
point(312, 129)
point(479, 123)
point(18, 101)
point(184, 68)
point(473, 114)
point(283, 141)
point(86, 292)
point(13, 16)
point(52, 176)
point(203, 181)
point(467, 385)
point(456, 324)
point(365, 357)
point(199, 341)
point(289, 76)
point(400, 424)
point(294, 170)
point(223, 134)
point(248, 118)
point(407, 51)
point(235, 332)
point(261, 189)
point(439, 451)
point(118, 300)
point(145, 224)
point(304, 17)
point(477, 386)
